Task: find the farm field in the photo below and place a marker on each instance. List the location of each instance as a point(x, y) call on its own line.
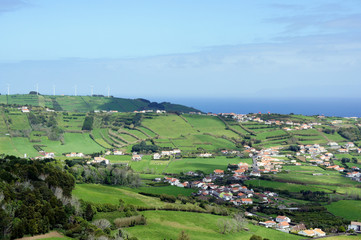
point(343, 238)
point(292, 187)
point(349, 209)
point(169, 126)
point(168, 225)
point(74, 142)
point(207, 165)
point(96, 193)
point(170, 190)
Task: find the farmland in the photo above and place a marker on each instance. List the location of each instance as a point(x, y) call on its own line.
point(162, 224)
point(204, 143)
point(349, 209)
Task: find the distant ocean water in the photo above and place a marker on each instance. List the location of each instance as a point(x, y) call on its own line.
point(327, 106)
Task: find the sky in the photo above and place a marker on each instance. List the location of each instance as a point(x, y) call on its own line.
point(179, 49)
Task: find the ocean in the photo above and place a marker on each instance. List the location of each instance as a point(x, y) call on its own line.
point(309, 106)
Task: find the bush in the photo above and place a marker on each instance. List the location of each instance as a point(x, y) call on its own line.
point(130, 221)
point(168, 198)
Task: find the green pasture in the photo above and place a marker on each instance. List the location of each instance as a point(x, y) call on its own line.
point(209, 124)
point(168, 225)
point(170, 190)
point(19, 120)
point(206, 165)
point(169, 125)
point(110, 194)
point(292, 187)
point(348, 209)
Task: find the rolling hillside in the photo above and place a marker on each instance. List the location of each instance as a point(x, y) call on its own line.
point(88, 103)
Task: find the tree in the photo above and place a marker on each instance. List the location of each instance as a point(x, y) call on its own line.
point(240, 221)
point(89, 213)
point(183, 236)
point(102, 223)
point(255, 237)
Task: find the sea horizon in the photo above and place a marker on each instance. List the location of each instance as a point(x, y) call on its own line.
point(340, 107)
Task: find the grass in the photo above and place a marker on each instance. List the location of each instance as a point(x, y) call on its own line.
point(110, 194)
point(199, 226)
point(170, 190)
point(209, 124)
point(169, 125)
point(206, 165)
point(292, 187)
point(74, 142)
point(348, 209)
point(343, 238)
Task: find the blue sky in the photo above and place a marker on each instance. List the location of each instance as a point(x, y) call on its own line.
point(182, 49)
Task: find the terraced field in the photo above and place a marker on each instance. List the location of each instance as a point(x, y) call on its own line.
point(168, 225)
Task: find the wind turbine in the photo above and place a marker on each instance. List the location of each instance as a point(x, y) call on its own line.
point(91, 87)
point(75, 89)
point(37, 89)
point(53, 90)
point(108, 91)
point(8, 89)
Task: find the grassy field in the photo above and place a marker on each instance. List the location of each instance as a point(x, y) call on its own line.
point(343, 238)
point(206, 165)
point(292, 187)
point(169, 126)
point(349, 209)
point(168, 225)
point(209, 124)
point(170, 190)
point(108, 194)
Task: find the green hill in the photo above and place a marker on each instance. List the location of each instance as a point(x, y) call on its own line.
point(89, 103)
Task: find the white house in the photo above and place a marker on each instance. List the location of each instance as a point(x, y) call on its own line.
point(117, 152)
point(356, 226)
point(136, 157)
point(283, 219)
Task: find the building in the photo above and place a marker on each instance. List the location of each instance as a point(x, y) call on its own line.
point(356, 226)
point(283, 219)
point(312, 233)
point(136, 157)
point(268, 223)
point(246, 201)
point(283, 225)
point(117, 152)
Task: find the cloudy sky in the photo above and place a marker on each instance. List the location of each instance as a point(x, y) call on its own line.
point(164, 49)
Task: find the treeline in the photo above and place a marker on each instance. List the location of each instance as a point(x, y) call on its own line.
point(28, 204)
point(88, 123)
point(103, 174)
point(35, 197)
point(312, 215)
point(143, 147)
point(350, 133)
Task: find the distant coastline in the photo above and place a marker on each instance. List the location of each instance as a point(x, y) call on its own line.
point(350, 107)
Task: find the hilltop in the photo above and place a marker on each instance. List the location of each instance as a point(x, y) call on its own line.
point(91, 103)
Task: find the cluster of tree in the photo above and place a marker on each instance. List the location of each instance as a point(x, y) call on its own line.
point(294, 148)
point(314, 196)
point(350, 133)
point(88, 123)
point(143, 147)
point(35, 197)
point(236, 224)
point(256, 237)
point(168, 198)
point(328, 131)
point(28, 204)
point(312, 215)
point(103, 174)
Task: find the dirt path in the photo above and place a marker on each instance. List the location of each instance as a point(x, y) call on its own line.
point(47, 235)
